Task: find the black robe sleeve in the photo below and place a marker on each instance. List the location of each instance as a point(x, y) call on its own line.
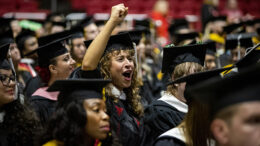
point(128, 128)
point(159, 118)
point(168, 141)
point(79, 73)
point(43, 107)
point(32, 85)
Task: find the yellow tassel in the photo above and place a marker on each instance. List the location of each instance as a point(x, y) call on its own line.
point(159, 75)
point(226, 71)
point(217, 38)
point(156, 51)
point(104, 94)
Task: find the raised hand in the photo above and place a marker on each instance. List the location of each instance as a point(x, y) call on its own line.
point(118, 13)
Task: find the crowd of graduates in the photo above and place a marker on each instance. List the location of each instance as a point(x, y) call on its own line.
point(91, 82)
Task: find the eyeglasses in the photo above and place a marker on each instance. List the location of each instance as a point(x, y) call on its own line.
point(6, 79)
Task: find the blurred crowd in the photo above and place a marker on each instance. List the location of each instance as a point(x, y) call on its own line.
point(156, 81)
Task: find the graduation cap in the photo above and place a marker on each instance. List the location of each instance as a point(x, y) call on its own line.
point(116, 42)
point(6, 36)
point(239, 27)
point(252, 22)
point(258, 31)
point(211, 49)
point(22, 37)
point(251, 58)
point(175, 55)
point(78, 89)
point(142, 23)
point(100, 22)
point(196, 78)
point(4, 64)
point(5, 22)
point(176, 25)
point(62, 24)
point(50, 51)
point(222, 93)
point(87, 21)
point(185, 36)
point(49, 38)
point(137, 34)
point(76, 32)
point(233, 40)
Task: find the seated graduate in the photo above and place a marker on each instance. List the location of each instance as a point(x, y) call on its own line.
point(27, 42)
point(6, 37)
point(116, 58)
point(55, 63)
point(169, 110)
point(78, 48)
point(194, 129)
point(80, 117)
point(147, 74)
point(234, 107)
point(211, 60)
point(237, 44)
point(18, 123)
point(251, 57)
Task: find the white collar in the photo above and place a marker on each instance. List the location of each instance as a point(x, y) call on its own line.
point(176, 133)
point(173, 101)
point(117, 93)
point(2, 115)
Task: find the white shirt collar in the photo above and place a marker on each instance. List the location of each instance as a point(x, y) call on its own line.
point(176, 133)
point(117, 93)
point(173, 101)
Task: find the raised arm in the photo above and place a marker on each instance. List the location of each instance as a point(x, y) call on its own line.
point(97, 47)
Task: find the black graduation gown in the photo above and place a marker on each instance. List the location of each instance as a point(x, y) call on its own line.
point(43, 107)
point(128, 128)
point(78, 73)
point(3, 137)
point(32, 85)
point(146, 93)
point(168, 141)
point(160, 117)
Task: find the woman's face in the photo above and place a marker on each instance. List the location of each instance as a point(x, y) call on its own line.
point(30, 45)
point(97, 119)
point(122, 69)
point(64, 65)
point(15, 53)
point(7, 89)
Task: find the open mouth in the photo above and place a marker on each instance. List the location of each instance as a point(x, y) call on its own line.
point(127, 75)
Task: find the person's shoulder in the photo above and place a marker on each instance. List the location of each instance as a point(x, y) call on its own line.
point(79, 73)
point(168, 141)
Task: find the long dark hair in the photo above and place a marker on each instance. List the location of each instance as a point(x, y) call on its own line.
point(44, 72)
point(197, 122)
point(21, 123)
point(67, 124)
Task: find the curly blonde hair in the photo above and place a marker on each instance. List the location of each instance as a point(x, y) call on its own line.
point(182, 70)
point(132, 92)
